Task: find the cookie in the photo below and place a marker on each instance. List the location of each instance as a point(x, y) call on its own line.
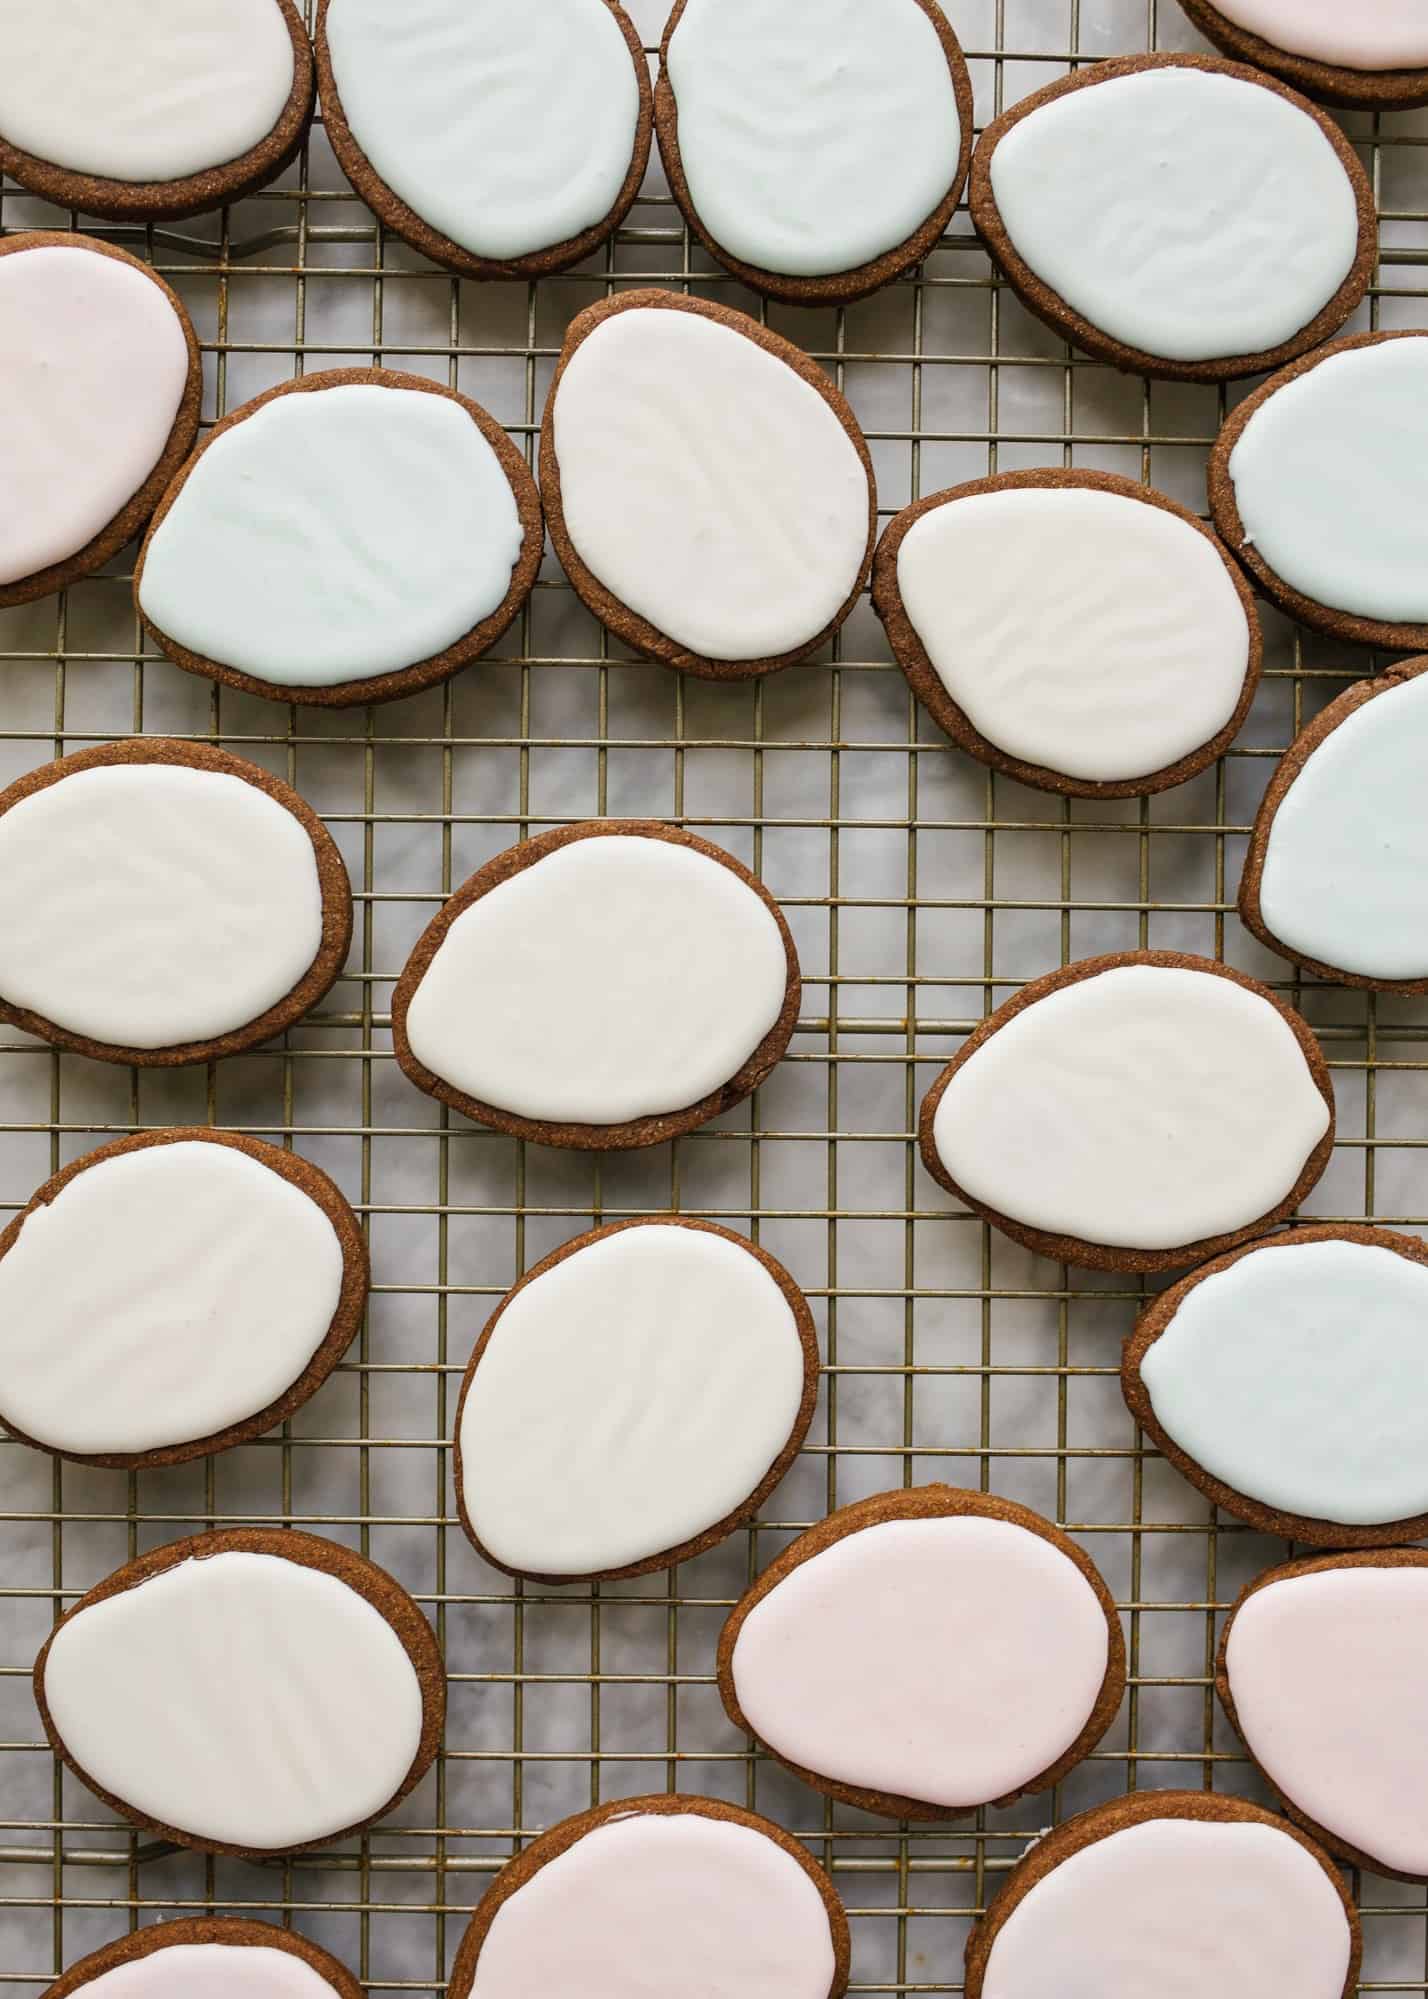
point(100, 381)
point(1287, 1382)
point(1320, 1669)
point(699, 1353)
point(818, 151)
point(208, 1957)
point(1080, 632)
point(1336, 877)
point(151, 110)
point(395, 526)
point(926, 1652)
point(1177, 215)
point(1133, 1112)
point(177, 1689)
point(1173, 1893)
point(172, 1294)
point(691, 1898)
point(606, 985)
point(162, 902)
point(1372, 56)
point(1351, 418)
point(502, 142)
point(708, 490)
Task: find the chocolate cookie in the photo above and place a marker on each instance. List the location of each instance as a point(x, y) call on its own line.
point(709, 492)
point(163, 902)
point(250, 1961)
point(1372, 56)
point(818, 151)
point(1079, 631)
point(1101, 197)
point(606, 985)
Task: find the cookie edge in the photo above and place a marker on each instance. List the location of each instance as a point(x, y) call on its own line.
point(229, 1931)
point(1329, 83)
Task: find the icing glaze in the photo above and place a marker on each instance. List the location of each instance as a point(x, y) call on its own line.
point(680, 969)
point(1296, 1375)
point(814, 136)
point(93, 367)
point(211, 1971)
point(1191, 215)
point(1077, 629)
point(1144, 1107)
point(1356, 422)
point(162, 1296)
point(152, 905)
point(142, 90)
point(1345, 875)
point(633, 1907)
point(894, 1659)
point(1372, 34)
point(628, 1399)
point(1326, 1674)
point(707, 486)
point(239, 1698)
point(1178, 1908)
point(509, 129)
point(380, 520)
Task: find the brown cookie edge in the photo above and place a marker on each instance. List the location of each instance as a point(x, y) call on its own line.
point(230, 1931)
point(1349, 89)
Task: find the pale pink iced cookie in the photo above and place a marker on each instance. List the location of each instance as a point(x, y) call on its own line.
point(1370, 53)
point(208, 1957)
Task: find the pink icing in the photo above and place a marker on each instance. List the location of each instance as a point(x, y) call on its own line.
point(949, 1660)
point(211, 1971)
point(1353, 34)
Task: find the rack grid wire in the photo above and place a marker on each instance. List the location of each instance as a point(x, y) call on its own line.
point(922, 890)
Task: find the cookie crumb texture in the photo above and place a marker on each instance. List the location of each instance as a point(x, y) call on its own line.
point(208, 1957)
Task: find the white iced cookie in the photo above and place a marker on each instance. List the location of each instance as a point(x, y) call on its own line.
point(1078, 631)
point(819, 147)
point(208, 1957)
point(708, 490)
point(1176, 215)
point(1133, 1112)
point(613, 984)
point(634, 1398)
point(164, 902)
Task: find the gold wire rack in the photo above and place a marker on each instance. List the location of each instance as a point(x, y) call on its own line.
point(922, 890)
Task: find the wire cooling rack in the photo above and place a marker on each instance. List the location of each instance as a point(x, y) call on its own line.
point(922, 889)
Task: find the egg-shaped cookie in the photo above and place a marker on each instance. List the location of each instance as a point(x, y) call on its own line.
point(396, 529)
point(1076, 630)
point(172, 1294)
point(818, 148)
point(503, 142)
point(1372, 55)
point(709, 492)
point(208, 1957)
point(1352, 418)
point(100, 382)
point(149, 110)
point(633, 1399)
point(1288, 1381)
point(1161, 1892)
point(1320, 1669)
point(1133, 1112)
point(163, 902)
point(926, 1652)
point(178, 1689)
point(611, 984)
point(1103, 200)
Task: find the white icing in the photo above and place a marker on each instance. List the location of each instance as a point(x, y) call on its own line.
point(654, 1905)
point(151, 905)
point(380, 521)
point(241, 1699)
point(162, 1296)
point(707, 485)
point(211, 1971)
point(1369, 35)
point(1356, 423)
point(1192, 215)
point(93, 367)
point(1345, 878)
point(950, 1660)
point(815, 135)
point(619, 977)
point(1178, 1908)
point(142, 90)
point(627, 1400)
point(1145, 1107)
point(508, 129)
point(1076, 629)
